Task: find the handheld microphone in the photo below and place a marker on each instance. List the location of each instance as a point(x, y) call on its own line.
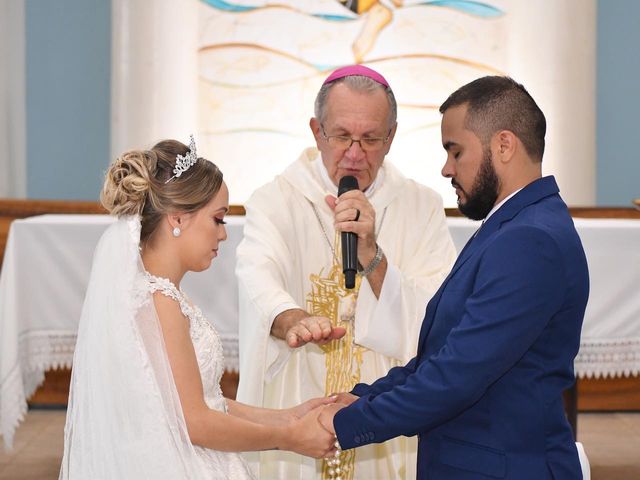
point(349, 239)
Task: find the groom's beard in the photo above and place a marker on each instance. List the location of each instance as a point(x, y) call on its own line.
point(484, 191)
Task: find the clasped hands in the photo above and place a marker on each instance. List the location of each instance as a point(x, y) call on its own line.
point(311, 425)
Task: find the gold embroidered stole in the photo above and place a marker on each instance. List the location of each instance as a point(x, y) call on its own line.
point(343, 358)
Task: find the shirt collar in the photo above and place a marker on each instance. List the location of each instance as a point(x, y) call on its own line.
point(496, 207)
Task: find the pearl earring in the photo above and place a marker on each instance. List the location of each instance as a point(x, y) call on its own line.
point(177, 232)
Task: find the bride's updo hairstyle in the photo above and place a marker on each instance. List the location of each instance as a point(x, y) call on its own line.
point(137, 183)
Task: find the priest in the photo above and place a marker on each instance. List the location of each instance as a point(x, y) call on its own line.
point(303, 333)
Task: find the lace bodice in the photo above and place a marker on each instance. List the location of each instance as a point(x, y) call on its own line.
point(205, 338)
point(208, 349)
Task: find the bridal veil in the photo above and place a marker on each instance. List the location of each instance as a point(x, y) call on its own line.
point(124, 419)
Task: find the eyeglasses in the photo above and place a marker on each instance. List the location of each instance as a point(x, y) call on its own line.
point(344, 142)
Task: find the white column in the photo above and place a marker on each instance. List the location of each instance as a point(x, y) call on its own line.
point(552, 51)
point(154, 72)
point(13, 151)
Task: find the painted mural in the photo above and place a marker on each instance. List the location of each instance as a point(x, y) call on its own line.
point(261, 64)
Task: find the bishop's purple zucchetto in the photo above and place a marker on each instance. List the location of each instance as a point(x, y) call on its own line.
point(356, 70)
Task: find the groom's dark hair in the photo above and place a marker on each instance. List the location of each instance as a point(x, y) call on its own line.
point(497, 103)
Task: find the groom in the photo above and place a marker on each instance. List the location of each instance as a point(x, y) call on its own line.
point(496, 349)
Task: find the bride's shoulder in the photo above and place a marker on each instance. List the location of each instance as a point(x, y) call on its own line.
point(169, 302)
point(169, 310)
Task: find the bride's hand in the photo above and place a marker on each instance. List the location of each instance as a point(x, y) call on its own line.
point(302, 409)
point(307, 436)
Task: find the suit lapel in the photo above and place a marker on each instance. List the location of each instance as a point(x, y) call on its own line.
point(467, 252)
point(530, 194)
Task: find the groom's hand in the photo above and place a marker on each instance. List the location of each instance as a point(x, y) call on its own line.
point(345, 398)
point(303, 408)
point(326, 416)
point(308, 437)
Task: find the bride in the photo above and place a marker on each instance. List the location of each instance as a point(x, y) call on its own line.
point(145, 400)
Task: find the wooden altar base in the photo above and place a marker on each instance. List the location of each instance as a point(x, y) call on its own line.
point(54, 392)
point(602, 394)
point(609, 394)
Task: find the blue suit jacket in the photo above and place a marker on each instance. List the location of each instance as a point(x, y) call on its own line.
point(495, 353)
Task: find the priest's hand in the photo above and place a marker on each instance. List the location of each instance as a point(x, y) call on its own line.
point(316, 330)
point(353, 213)
point(298, 328)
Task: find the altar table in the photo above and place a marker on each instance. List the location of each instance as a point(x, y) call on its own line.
point(48, 260)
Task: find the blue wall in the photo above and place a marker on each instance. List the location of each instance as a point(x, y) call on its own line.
point(618, 102)
point(68, 50)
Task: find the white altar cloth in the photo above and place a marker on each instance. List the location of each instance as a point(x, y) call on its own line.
point(44, 276)
point(48, 259)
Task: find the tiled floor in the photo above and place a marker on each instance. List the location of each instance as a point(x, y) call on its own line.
point(37, 448)
point(611, 440)
point(612, 443)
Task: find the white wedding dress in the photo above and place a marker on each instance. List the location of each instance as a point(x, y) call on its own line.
point(208, 348)
point(124, 417)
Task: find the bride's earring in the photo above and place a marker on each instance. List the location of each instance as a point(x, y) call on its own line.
point(177, 232)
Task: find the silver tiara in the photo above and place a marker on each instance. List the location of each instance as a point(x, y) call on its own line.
point(184, 162)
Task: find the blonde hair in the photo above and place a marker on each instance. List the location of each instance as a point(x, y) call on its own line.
point(136, 184)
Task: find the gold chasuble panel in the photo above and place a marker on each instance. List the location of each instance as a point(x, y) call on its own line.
point(343, 358)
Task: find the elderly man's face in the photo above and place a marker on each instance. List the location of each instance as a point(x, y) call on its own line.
point(469, 166)
point(361, 116)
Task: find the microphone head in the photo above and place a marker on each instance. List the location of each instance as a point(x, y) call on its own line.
point(348, 182)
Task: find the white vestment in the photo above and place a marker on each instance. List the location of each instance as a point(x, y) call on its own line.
point(284, 246)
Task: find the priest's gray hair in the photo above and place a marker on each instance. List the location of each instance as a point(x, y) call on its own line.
point(359, 83)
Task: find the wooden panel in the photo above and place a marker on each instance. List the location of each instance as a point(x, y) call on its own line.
point(609, 394)
point(612, 394)
point(604, 212)
point(54, 392)
point(28, 208)
point(55, 389)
